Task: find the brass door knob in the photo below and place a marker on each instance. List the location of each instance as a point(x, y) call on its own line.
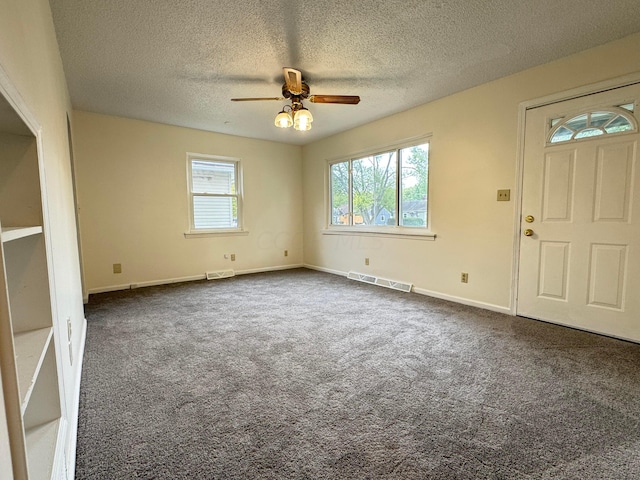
point(528, 232)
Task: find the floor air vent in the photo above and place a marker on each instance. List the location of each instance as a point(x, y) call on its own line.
point(220, 274)
point(383, 282)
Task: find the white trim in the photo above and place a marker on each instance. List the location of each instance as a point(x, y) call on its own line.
point(377, 233)
point(403, 143)
point(212, 233)
point(59, 458)
point(237, 167)
point(582, 91)
point(153, 283)
point(429, 293)
point(74, 414)
point(191, 278)
point(13, 97)
point(515, 258)
point(269, 269)
point(463, 301)
point(111, 288)
point(325, 270)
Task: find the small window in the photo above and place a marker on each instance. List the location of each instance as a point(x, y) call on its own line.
point(214, 193)
point(387, 189)
point(592, 124)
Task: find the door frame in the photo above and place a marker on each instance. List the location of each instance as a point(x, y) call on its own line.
point(578, 92)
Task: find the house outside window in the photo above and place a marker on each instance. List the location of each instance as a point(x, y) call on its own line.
point(215, 193)
point(383, 190)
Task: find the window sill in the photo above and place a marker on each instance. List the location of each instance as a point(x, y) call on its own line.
point(404, 233)
point(215, 233)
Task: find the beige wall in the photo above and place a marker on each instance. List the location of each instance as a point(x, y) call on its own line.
point(30, 59)
point(473, 154)
point(132, 193)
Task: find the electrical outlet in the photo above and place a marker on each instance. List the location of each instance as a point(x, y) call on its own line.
point(464, 278)
point(233, 257)
point(366, 261)
point(286, 253)
point(504, 195)
point(117, 268)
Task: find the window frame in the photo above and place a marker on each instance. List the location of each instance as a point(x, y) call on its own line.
point(397, 230)
point(238, 195)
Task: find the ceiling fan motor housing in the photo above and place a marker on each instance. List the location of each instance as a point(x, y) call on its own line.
point(286, 93)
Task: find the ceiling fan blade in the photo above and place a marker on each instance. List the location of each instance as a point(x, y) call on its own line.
point(293, 80)
point(254, 99)
point(343, 99)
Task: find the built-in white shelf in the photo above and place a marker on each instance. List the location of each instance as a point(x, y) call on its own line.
point(30, 348)
point(14, 233)
point(41, 448)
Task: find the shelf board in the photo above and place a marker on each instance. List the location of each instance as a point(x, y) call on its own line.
point(14, 233)
point(30, 348)
point(41, 449)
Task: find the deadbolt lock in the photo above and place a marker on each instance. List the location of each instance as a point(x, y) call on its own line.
point(529, 219)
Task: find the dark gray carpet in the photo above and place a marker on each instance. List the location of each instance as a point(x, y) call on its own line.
point(305, 375)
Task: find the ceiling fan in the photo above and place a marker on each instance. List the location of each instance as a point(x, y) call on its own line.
point(296, 90)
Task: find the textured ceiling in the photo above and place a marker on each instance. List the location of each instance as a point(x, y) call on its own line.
point(179, 62)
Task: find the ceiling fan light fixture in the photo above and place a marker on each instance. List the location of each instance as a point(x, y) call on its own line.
point(296, 90)
point(283, 120)
point(302, 119)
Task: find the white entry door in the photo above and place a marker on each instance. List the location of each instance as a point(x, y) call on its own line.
point(580, 226)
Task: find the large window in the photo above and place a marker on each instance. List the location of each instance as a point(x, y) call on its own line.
point(387, 189)
point(215, 193)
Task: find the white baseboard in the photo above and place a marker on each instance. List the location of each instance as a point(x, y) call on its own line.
point(73, 415)
point(421, 291)
point(166, 281)
point(109, 288)
point(429, 293)
point(325, 270)
point(268, 269)
point(153, 283)
point(463, 301)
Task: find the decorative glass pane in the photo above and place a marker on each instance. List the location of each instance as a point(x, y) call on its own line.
point(589, 132)
point(598, 119)
point(628, 106)
point(340, 194)
point(414, 183)
point(593, 124)
point(619, 124)
point(374, 189)
point(577, 123)
point(562, 135)
point(555, 121)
